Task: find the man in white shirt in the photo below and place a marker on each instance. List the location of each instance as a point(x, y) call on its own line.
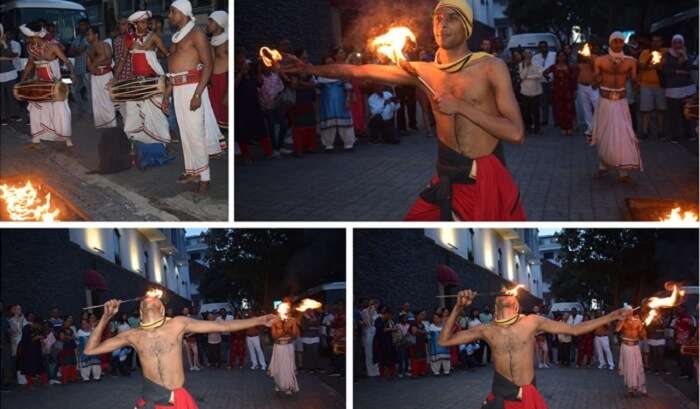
point(382, 105)
point(545, 59)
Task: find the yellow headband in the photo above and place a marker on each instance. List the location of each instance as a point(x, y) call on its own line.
point(464, 11)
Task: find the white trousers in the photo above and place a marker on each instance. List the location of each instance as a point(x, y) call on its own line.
point(103, 111)
point(255, 350)
point(440, 363)
point(95, 370)
point(347, 135)
point(602, 350)
point(146, 122)
point(50, 121)
point(368, 343)
point(588, 100)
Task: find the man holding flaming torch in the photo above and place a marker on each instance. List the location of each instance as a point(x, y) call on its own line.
point(631, 365)
point(511, 337)
point(158, 342)
point(475, 109)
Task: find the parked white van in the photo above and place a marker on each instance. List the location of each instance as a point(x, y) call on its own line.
point(530, 41)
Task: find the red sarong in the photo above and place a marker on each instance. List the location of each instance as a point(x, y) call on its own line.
point(493, 197)
point(218, 87)
point(181, 400)
point(531, 399)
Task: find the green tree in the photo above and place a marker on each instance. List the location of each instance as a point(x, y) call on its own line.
point(244, 262)
point(605, 264)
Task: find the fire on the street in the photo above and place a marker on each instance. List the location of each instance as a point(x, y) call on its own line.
point(655, 303)
point(23, 203)
point(270, 56)
point(308, 304)
point(675, 216)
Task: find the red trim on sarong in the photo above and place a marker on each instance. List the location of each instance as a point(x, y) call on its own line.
point(181, 400)
point(531, 399)
point(140, 66)
point(493, 197)
point(217, 90)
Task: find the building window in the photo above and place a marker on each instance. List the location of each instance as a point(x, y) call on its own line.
point(146, 270)
point(500, 263)
point(117, 247)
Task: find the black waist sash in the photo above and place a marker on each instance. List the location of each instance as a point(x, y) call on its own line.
point(452, 168)
point(502, 390)
point(154, 394)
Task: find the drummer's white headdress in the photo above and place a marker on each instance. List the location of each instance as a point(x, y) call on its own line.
point(184, 6)
point(221, 18)
point(139, 15)
point(29, 33)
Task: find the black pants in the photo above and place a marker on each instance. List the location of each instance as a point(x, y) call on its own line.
point(214, 354)
point(678, 127)
point(531, 112)
point(564, 353)
point(633, 114)
point(656, 358)
point(380, 129)
point(8, 104)
point(407, 97)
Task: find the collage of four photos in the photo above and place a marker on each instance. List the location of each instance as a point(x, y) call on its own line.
point(420, 204)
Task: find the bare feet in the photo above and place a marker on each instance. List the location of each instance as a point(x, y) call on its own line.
point(203, 188)
point(187, 178)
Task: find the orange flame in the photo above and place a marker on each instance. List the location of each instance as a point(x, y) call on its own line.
point(308, 304)
point(155, 292)
point(514, 291)
point(283, 310)
point(392, 43)
point(586, 51)
point(655, 303)
point(675, 216)
point(655, 57)
point(270, 56)
point(23, 204)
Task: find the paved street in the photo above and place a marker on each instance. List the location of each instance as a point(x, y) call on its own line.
point(381, 182)
point(211, 388)
point(132, 195)
point(562, 388)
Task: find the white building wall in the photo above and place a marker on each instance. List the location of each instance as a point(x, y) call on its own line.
point(162, 267)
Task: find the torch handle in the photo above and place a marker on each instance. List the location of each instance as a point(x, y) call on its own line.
point(477, 295)
point(102, 305)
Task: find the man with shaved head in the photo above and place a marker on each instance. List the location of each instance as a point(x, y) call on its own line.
point(158, 342)
point(511, 337)
point(475, 110)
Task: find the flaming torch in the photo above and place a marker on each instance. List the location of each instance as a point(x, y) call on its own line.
point(655, 57)
point(157, 293)
point(283, 311)
point(308, 304)
point(270, 56)
point(391, 45)
point(586, 51)
point(655, 303)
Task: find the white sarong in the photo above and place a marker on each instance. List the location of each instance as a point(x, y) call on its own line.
point(199, 132)
point(145, 121)
point(631, 367)
point(103, 111)
point(282, 368)
point(51, 120)
point(618, 147)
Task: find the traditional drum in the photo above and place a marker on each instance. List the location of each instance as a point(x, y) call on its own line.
point(137, 89)
point(40, 91)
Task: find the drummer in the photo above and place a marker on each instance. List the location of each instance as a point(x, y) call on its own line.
point(50, 120)
point(99, 64)
point(191, 64)
point(145, 121)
